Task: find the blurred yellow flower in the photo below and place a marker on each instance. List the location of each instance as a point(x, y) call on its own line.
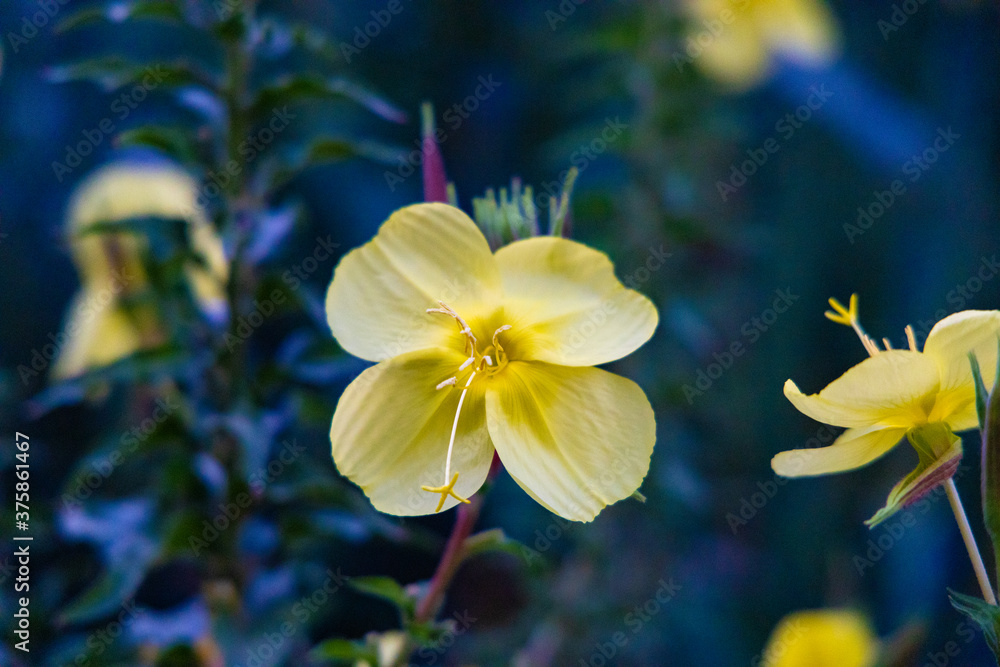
point(737, 41)
point(925, 396)
point(99, 329)
point(822, 638)
point(479, 351)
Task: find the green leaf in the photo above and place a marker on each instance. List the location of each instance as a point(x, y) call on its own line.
point(489, 541)
point(120, 12)
point(113, 72)
point(388, 589)
point(307, 87)
point(982, 395)
point(329, 150)
point(985, 615)
point(110, 592)
point(175, 142)
point(342, 650)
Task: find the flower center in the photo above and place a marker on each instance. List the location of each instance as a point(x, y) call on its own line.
point(483, 360)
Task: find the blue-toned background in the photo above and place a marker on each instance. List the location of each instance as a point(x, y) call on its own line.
point(752, 264)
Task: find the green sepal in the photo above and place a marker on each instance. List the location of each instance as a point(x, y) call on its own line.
point(388, 589)
point(985, 615)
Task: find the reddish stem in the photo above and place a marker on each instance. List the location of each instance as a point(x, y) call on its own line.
point(450, 561)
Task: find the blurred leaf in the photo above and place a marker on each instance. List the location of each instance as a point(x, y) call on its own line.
point(119, 12)
point(112, 72)
point(985, 615)
point(491, 541)
point(342, 650)
point(272, 227)
point(110, 592)
point(278, 37)
point(175, 142)
point(330, 150)
point(387, 589)
point(306, 87)
point(145, 226)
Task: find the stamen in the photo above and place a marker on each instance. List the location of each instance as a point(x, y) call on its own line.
point(466, 363)
point(450, 382)
point(888, 345)
point(911, 338)
point(448, 488)
point(849, 316)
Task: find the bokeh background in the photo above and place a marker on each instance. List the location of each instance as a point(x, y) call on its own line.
point(741, 547)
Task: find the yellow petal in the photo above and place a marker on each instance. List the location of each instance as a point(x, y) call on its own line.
point(949, 344)
point(854, 448)
point(822, 638)
point(566, 306)
point(576, 439)
point(96, 333)
point(737, 56)
point(391, 429)
point(377, 302)
point(803, 30)
point(895, 388)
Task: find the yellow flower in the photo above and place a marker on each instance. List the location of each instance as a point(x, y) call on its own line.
point(737, 41)
point(99, 330)
point(923, 396)
point(822, 638)
point(479, 351)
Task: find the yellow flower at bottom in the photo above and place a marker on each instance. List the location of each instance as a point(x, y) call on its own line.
point(823, 638)
point(923, 396)
point(98, 328)
point(481, 352)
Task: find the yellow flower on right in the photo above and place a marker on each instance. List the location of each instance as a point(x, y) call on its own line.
point(737, 41)
point(822, 638)
point(924, 396)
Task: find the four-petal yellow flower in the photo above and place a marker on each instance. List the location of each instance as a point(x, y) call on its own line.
point(481, 352)
point(922, 396)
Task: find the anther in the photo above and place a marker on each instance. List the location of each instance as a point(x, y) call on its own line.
point(450, 382)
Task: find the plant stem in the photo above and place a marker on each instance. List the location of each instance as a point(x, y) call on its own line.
point(970, 542)
point(454, 552)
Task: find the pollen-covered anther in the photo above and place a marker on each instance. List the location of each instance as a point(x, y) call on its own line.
point(450, 382)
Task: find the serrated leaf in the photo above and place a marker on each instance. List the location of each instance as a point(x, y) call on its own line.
point(175, 142)
point(343, 650)
point(119, 12)
point(306, 87)
point(113, 72)
point(388, 589)
point(985, 615)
